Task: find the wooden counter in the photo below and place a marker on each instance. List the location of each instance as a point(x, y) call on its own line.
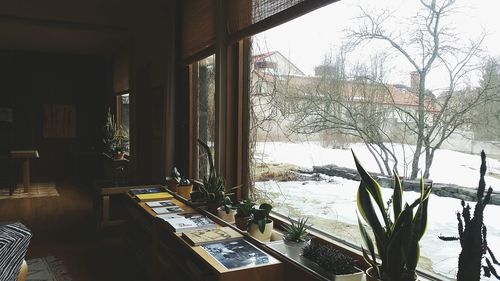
point(167, 256)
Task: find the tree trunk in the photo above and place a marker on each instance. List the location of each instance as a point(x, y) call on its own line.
point(386, 162)
point(420, 127)
point(429, 157)
point(376, 158)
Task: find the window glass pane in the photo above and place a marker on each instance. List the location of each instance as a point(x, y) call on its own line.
point(204, 80)
point(368, 77)
point(125, 111)
point(123, 117)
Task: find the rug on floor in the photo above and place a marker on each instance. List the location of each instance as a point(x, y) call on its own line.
point(40, 189)
point(47, 269)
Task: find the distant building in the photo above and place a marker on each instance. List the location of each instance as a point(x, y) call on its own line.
point(272, 74)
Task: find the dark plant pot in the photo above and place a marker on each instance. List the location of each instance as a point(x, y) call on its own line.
point(212, 207)
point(197, 196)
point(118, 155)
point(370, 274)
point(172, 185)
point(242, 222)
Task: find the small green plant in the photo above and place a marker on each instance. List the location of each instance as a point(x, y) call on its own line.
point(227, 205)
point(260, 216)
point(297, 231)
point(175, 175)
point(397, 237)
point(245, 208)
point(184, 181)
point(330, 259)
point(472, 235)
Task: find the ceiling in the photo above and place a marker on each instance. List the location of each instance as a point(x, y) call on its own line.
point(64, 26)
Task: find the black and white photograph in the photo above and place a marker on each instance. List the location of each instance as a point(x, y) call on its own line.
point(237, 254)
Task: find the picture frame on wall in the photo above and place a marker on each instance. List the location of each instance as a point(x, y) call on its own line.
point(59, 121)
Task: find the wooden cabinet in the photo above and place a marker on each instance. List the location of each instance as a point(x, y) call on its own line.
point(164, 255)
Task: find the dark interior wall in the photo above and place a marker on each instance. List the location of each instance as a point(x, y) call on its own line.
point(31, 80)
point(151, 63)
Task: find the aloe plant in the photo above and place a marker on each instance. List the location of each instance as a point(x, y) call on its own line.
point(214, 186)
point(396, 237)
point(297, 231)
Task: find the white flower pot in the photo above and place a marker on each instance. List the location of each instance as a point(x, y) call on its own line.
point(227, 217)
point(294, 249)
point(263, 237)
point(358, 276)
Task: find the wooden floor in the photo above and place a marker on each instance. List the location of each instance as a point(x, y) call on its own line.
point(65, 227)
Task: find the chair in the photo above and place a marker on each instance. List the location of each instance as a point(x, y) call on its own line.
point(14, 241)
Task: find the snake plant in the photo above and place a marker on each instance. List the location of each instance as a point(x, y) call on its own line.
point(397, 236)
point(214, 186)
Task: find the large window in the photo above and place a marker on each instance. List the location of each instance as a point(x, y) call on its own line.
point(377, 80)
point(203, 89)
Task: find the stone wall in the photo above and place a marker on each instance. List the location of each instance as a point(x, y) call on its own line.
point(439, 189)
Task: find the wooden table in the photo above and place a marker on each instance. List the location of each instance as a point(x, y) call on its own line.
point(102, 204)
point(26, 155)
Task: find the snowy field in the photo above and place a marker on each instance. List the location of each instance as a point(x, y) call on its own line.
point(334, 198)
point(448, 167)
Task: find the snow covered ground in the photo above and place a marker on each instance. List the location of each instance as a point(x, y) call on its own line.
point(448, 167)
point(334, 198)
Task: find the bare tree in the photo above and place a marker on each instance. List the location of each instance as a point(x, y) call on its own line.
point(486, 124)
point(349, 104)
point(425, 44)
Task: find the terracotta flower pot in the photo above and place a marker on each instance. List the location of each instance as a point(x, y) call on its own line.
point(185, 190)
point(242, 222)
point(172, 185)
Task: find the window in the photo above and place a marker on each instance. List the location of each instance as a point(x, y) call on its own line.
point(123, 111)
point(123, 114)
point(203, 89)
point(322, 84)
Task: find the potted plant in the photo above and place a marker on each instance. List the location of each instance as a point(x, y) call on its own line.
point(243, 214)
point(296, 237)
point(472, 236)
point(173, 180)
point(214, 186)
point(185, 187)
point(397, 237)
point(261, 227)
point(227, 211)
point(116, 140)
point(331, 263)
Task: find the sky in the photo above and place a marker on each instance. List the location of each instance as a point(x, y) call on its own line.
point(308, 39)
